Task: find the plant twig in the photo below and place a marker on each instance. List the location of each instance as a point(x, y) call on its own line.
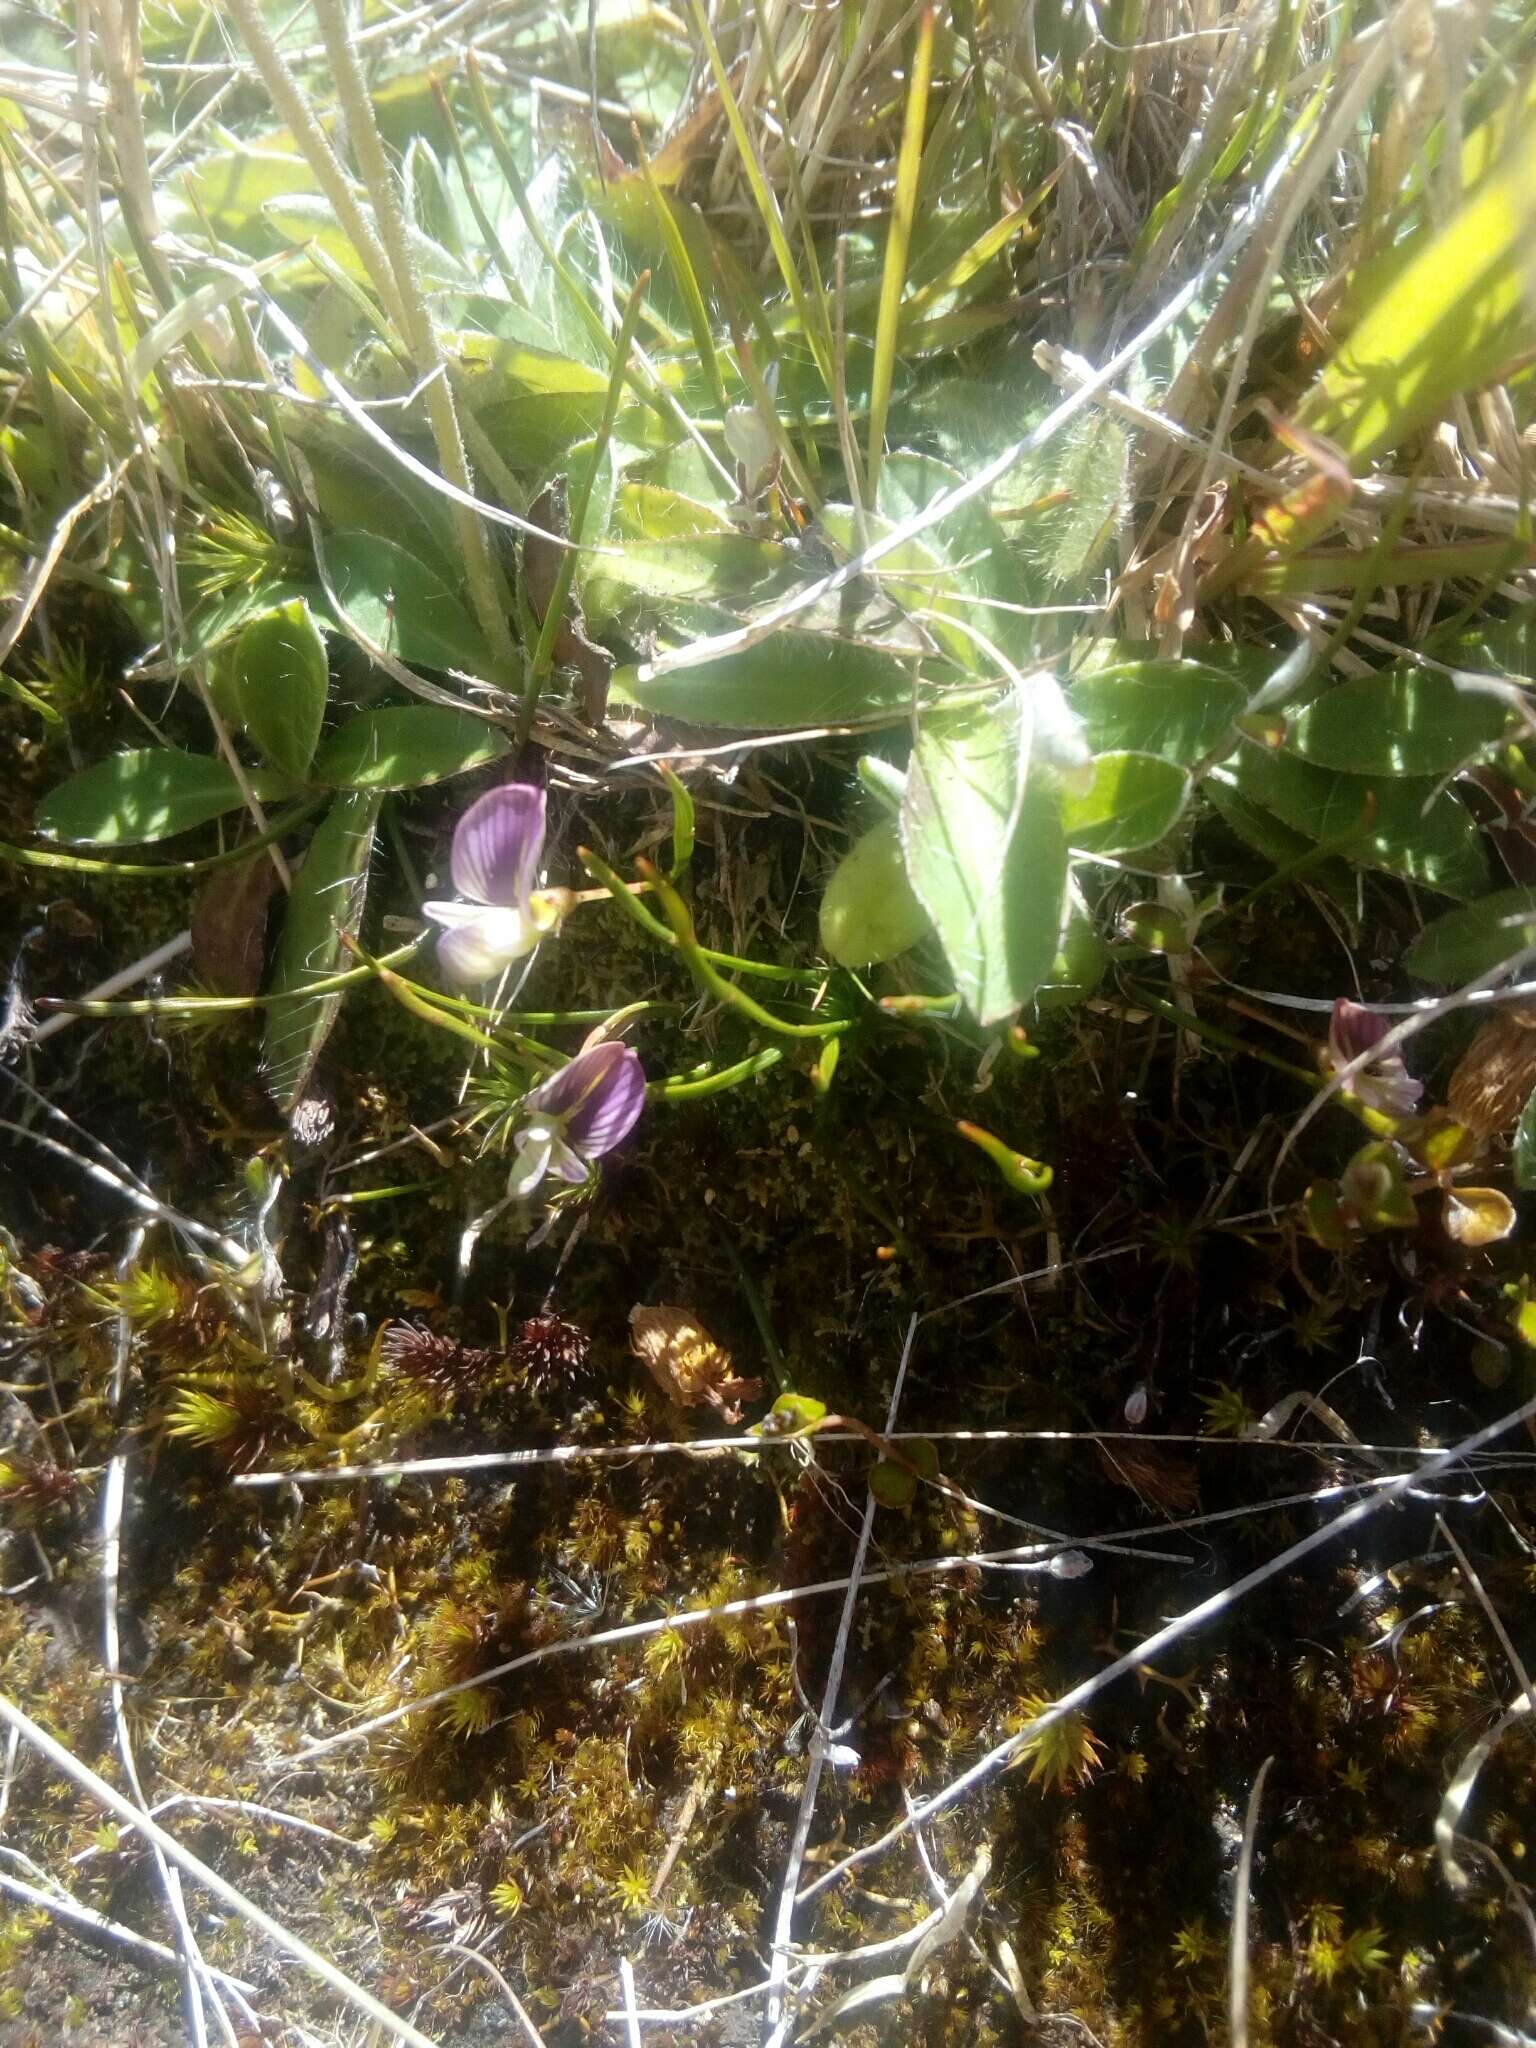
point(1183, 1624)
point(779, 2020)
point(86, 1780)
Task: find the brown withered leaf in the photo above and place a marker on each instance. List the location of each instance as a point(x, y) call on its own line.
point(1496, 1073)
point(1160, 1480)
point(229, 926)
point(686, 1363)
point(541, 566)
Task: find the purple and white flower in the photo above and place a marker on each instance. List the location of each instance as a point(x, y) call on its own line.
point(497, 845)
point(578, 1114)
point(1384, 1084)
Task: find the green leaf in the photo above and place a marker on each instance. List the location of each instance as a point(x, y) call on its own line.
point(306, 218)
point(1442, 313)
point(147, 793)
point(486, 367)
point(792, 1413)
point(652, 512)
point(1282, 847)
point(1408, 827)
point(1134, 799)
point(715, 566)
point(1524, 1152)
point(869, 912)
point(326, 899)
point(782, 683)
point(358, 489)
point(1501, 647)
point(892, 1485)
point(406, 747)
point(1181, 710)
point(1154, 926)
point(1403, 721)
point(402, 605)
point(985, 853)
point(1090, 467)
point(280, 684)
point(1081, 958)
point(231, 186)
point(1465, 944)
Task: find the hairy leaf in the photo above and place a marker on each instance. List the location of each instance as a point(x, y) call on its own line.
point(985, 853)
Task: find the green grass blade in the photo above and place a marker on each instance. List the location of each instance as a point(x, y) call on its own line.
point(898, 241)
point(767, 205)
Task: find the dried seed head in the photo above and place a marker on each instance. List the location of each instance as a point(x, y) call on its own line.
point(418, 1353)
point(1496, 1073)
point(549, 1349)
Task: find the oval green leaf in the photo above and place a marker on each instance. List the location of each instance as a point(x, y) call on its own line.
point(869, 912)
point(326, 899)
point(1407, 826)
point(280, 683)
point(1500, 647)
point(892, 1485)
point(1180, 710)
point(145, 794)
point(402, 605)
point(407, 747)
point(985, 853)
point(787, 681)
point(1403, 721)
point(1473, 941)
point(1133, 800)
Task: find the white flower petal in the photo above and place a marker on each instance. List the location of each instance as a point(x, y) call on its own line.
point(531, 1161)
point(480, 939)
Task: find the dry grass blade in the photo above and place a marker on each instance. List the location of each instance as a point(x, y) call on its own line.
point(106, 1795)
point(1242, 1901)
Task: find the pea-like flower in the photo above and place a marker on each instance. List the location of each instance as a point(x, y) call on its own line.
point(578, 1114)
point(496, 849)
point(1385, 1084)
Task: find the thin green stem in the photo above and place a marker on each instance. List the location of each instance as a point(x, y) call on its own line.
point(653, 927)
point(897, 242)
point(216, 1006)
point(683, 1088)
point(1213, 1033)
point(79, 864)
point(679, 918)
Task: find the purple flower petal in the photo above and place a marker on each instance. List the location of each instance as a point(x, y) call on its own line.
point(497, 844)
point(599, 1095)
point(1354, 1030)
point(1384, 1082)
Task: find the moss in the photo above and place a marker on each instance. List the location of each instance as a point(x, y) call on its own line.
point(550, 1802)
